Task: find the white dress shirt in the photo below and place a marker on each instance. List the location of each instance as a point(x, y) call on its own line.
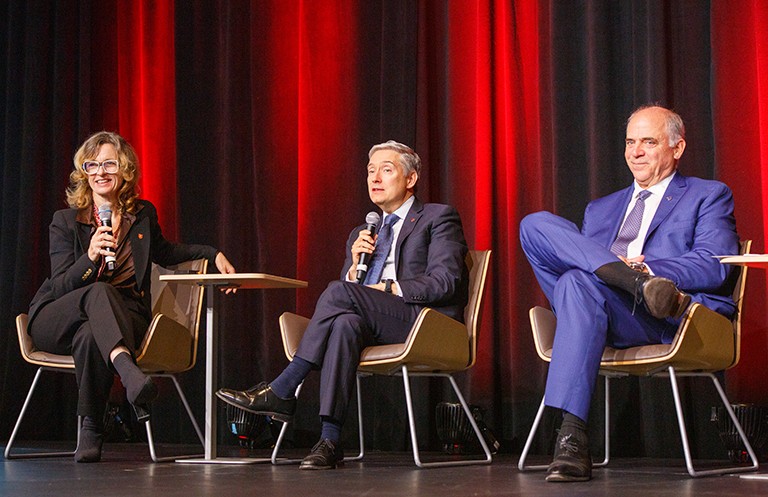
point(652, 203)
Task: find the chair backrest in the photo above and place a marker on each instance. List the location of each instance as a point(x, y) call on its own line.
point(477, 264)
point(182, 303)
point(738, 299)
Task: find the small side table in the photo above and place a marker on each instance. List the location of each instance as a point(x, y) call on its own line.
point(759, 261)
point(213, 282)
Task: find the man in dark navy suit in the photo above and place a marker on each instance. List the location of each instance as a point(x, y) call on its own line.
point(626, 278)
point(416, 260)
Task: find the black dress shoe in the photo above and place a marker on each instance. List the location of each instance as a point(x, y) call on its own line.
point(572, 461)
point(324, 455)
point(260, 399)
point(660, 296)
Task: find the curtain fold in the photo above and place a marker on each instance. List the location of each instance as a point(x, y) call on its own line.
point(146, 98)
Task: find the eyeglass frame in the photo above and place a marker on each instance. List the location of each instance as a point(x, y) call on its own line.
point(100, 165)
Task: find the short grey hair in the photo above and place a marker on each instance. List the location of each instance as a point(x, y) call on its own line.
point(675, 125)
point(409, 160)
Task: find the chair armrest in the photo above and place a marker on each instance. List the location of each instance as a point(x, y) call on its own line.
point(292, 327)
point(167, 347)
point(435, 343)
point(707, 341)
point(437, 340)
point(543, 324)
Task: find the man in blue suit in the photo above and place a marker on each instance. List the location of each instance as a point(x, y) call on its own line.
point(416, 260)
point(626, 278)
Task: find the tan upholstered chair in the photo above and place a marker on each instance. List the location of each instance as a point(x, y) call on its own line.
point(436, 346)
point(169, 348)
point(705, 342)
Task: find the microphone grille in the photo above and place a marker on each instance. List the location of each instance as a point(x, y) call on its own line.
point(372, 218)
point(105, 211)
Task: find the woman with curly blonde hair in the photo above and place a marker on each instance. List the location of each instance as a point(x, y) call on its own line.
point(96, 305)
point(79, 192)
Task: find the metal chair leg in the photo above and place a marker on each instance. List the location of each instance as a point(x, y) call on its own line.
point(30, 455)
point(537, 420)
point(276, 450)
point(412, 424)
point(684, 433)
point(360, 438)
point(607, 430)
point(150, 435)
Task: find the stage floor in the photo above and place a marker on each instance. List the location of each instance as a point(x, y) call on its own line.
point(127, 470)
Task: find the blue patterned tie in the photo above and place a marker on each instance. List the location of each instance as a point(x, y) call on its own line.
point(380, 253)
point(631, 226)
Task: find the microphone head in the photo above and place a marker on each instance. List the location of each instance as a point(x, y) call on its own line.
point(372, 218)
point(105, 212)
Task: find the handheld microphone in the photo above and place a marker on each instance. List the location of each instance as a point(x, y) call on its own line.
point(371, 221)
point(105, 214)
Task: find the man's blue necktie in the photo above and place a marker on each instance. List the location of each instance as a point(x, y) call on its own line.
point(631, 227)
point(380, 253)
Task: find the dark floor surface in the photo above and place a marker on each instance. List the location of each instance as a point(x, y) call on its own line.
point(127, 470)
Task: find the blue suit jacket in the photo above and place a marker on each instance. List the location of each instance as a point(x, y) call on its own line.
point(430, 258)
point(693, 223)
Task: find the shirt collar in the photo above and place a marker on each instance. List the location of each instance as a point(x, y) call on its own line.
point(657, 189)
point(401, 211)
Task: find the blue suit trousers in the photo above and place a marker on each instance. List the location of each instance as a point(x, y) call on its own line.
point(590, 314)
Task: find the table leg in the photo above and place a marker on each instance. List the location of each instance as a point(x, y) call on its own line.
point(211, 382)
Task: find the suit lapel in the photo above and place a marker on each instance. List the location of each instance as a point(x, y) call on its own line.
point(675, 191)
point(84, 233)
point(606, 216)
point(140, 241)
point(409, 223)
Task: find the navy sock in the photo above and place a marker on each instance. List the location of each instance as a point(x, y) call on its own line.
point(331, 429)
point(285, 385)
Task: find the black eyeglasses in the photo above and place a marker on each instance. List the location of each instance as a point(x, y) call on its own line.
point(92, 166)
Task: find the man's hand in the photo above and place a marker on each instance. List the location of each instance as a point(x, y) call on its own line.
point(382, 287)
point(636, 263)
point(365, 243)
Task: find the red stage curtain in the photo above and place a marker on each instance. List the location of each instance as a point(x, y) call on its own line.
point(328, 122)
point(740, 60)
point(485, 138)
point(146, 105)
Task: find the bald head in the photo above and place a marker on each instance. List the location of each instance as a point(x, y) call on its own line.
point(654, 143)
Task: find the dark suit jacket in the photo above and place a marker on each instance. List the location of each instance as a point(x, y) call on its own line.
point(430, 259)
point(693, 223)
point(71, 268)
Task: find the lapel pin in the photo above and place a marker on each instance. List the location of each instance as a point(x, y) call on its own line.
point(141, 236)
point(669, 198)
point(413, 219)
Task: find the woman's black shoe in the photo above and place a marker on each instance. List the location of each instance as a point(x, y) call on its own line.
point(140, 399)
